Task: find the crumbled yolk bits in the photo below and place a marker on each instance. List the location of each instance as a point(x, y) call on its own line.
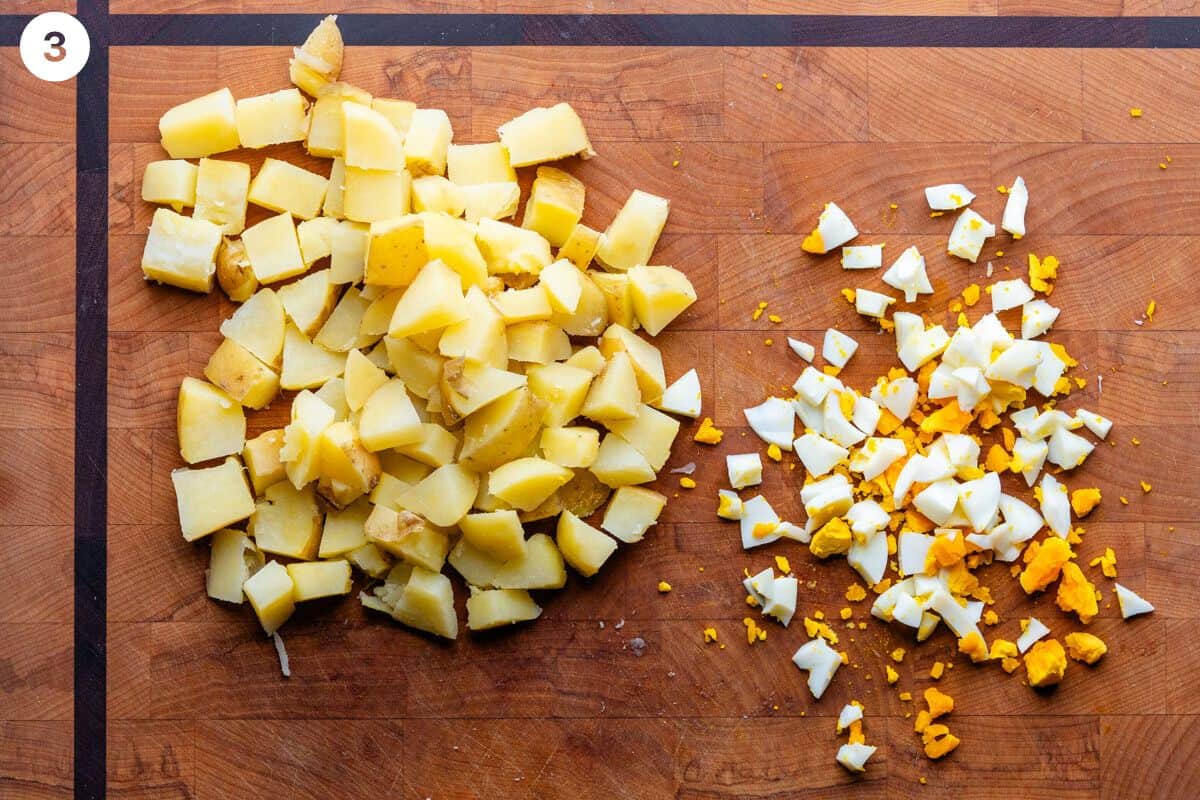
point(1046, 563)
point(710, 635)
point(1045, 663)
point(892, 675)
point(1076, 593)
point(1085, 647)
point(938, 741)
point(855, 593)
point(897, 655)
point(1083, 501)
point(708, 433)
point(1135, 112)
point(773, 451)
point(758, 311)
point(937, 670)
point(687, 483)
point(664, 587)
point(1106, 562)
point(782, 564)
point(753, 632)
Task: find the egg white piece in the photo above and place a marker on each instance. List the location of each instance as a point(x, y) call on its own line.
point(1010, 294)
point(907, 273)
point(938, 500)
point(849, 714)
point(862, 256)
point(1013, 219)
point(731, 503)
point(813, 385)
point(1032, 455)
point(1022, 518)
point(1049, 369)
point(812, 416)
point(1068, 450)
point(757, 511)
point(968, 348)
point(1017, 365)
point(968, 235)
point(872, 304)
point(948, 196)
point(980, 500)
point(867, 517)
point(907, 611)
point(972, 387)
point(1036, 318)
point(963, 621)
point(683, 396)
point(911, 550)
point(773, 421)
point(994, 334)
point(802, 349)
point(818, 455)
point(833, 230)
point(1131, 604)
point(961, 450)
point(782, 603)
point(787, 530)
point(1098, 425)
point(745, 469)
point(854, 756)
point(866, 414)
point(869, 556)
point(919, 348)
point(875, 455)
point(886, 601)
point(760, 586)
point(1047, 423)
point(820, 661)
point(837, 427)
point(1034, 630)
point(838, 347)
point(897, 396)
point(1023, 420)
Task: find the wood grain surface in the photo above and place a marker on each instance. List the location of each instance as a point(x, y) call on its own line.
point(564, 708)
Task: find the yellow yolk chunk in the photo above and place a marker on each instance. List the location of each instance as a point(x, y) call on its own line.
point(708, 433)
point(834, 538)
point(1046, 565)
point(1084, 500)
point(1076, 593)
point(939, 741)
point(973, 645)
point(1085, 647)
point(1106, 562)
point(1045, 663)
point(939, 703)
point(1003, 648)
point(813, 243)
point(1042, 272)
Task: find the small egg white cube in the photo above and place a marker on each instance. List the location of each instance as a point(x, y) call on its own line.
point(863, 256)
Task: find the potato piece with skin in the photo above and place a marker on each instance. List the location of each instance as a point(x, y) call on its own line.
point(550, 507)
point(270, 593)
point(427, 604)
point(631, 512)
point(212, 498)
point(232, 560)
point(209, 423)
point(246, 379)
point(319, 59)
point(274, 249)
point(583, 494)
point(200, 127)
point(370, 560)
point(307, 365)
point(272, 118)
point(343, 530)
point(540, 568)
point(310, 415)
point(344, 459)
point(287, 522)
point(389, 419)
point(509, 250)
point(590, 317)
point(396, 251)
point(467, 387)
point(583, 547)
point(620, 464)
point(580, 246)
point(234, 273)
point(499, 533)
point(537, 342)
point(563, 388)
point(369, 140)
point(570, 447)
point(316, 579)
point(614, 394)
point(282, 186)
point(427, 142)
point(617, 298)
point(501, 431)
point(444, 497)
point(309, 301)
point(362, 379)
point(222, 192)
point(181, 251)
point(263, 463)
point(434, 300)
point(341, 331)
point(495, 608)
point(408, 536)
point(452, 241)
point(659, 294)
point(325, 129)
point(472, 164)
point(650, 431)
point(374, 195)
point(630, 238)
point(170, 183)
point(259, 325)
point(646, 358)
point(435, 194)
point(545, 134)
point(555, 205)
point(525, 482)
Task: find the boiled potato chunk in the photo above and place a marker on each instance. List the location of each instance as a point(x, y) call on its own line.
point(396, 251)
point(588, 358)
point(481, 337)
point(259, 325)
point(630, 238)
point(583, 547)
point(309, 301)
point(301, 452)
point(453, 241)
point(370, 559)
point(362, 379)
point(620, 464)
point(342, 330)
point(570, 447)
point(495, 608)
point(650, 431)
point(369, 140)
point(590, 316)
point(222, 191)
point(434, 193)
point(287, 522)
point(314, 579)
point(646, 358)
point(344, 529)
point(615, 286)
point(472, 164)
point(660, 294)
point(181, 251)
point(631, 512)
point(371, 195)
point(444, 496)
point(427, 142)
point(564, 286)
point(398, 112)
point(263, 462)
point(436, 447)
point(274, 249)
point(344, 459)
point(468, 387)
point(211, 499)
point(580, 246)
point(545, 134)
point(434, 300)
point(200, 127)
point(348, 252)
point(540, 568)
point(270, 593)
point(614, 393)
point(389, 419)
point(501, 431)
point(235, 276)
point(325, 131)
point(583, 494)
point(233, 559)
point(246, 379)
point(427, 604)
point(537, 342)
point(523, 305)
point(209, 422)
point(272, 118)
point(306, 365)
point(316, 238)
point(563, 388)
point(170, 183)
point(476, 567)
point(333, 393)
point(555, 205)
point(335, 194)
point(281, 186)
point(408, 536)
point(525, 483)
point(497, 533)
point(319, 59)
point(490, 200)
point(510, 250)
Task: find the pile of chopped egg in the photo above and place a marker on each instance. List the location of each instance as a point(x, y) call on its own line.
point(903, 479)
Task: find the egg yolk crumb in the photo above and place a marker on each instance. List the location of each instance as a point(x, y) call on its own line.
point(1084, 500)
point(892, 675)
point(898, 654)
point(708, 433)
point(834, 538)
point(664, 587)
point(939, 741)
point(856, 733)
point(973, 645)
point(1076, 593)
point(991, 617)
point(1002, 648)
point(1042, 272)
point(710, 635)
point(939, 703)
point(922, 722)
point(687, 483)
point(1045, 565)
point(1045, 663)
point(753, 632)
point(814, 629)
point(937, 670)
point(751, 601)
point(783, 564)
point(856, 593)
point(1106, 562)
point(1135, 112)
point(846, 613)
point(758, 310)
point(774, 453)
point(1085, 647)
point(1145, 486)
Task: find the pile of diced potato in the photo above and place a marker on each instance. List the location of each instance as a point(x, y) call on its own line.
point(457, 376)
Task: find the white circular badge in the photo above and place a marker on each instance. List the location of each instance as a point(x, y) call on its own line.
point(55, 46)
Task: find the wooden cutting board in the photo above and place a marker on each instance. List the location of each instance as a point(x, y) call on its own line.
point(748, 142)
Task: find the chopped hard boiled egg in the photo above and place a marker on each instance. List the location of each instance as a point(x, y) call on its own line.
point(948, 196)
point(774, 421)
point(782, 603)
point(745, 469)
point(863, 256)
point(683, 396)
point(759, 523)
point(729, 505)
point(820, 661)
point(1034, 630)
point(833, 229)
point(854, 756)
point(838, 348)
point(1131, 604)
point(1010, 294)
point(1095, 423)
point(802, 349)
point(1013, 220)
point(851, 712)
point(907, 273)
point(872, 304)
point(968, 235)
point(1036, 317)
point(760, 586)
point(819, 455)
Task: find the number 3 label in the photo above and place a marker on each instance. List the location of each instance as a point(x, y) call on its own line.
point(55, 46)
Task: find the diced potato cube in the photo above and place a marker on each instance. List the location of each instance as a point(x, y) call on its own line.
point(263, 463)
point(540, 568)
point(372, 195)
point(420, 371)
point(259, 325)
point(588, 358)
point(555, 205)
point(272, 118)
point(301, 453)
point(495, 608)
point(200, 127)
point(433, 300)
point(307, 365)
point(319, 59)
point(209, 422)
point(525, 482)
point(497, 533)
point(620, 464)
point(660, 294)
point(246, 379)
point(273, 249)
point(630, 238)
point(617, 297)
point(584, 494)
point(280, 186)
point(545, 134)
point(453, 241)
point(408, 536)
point(343, 531)
point(287, 521)
point(362, 379)
point(476, 567)
point(427, 604)
point(501, 431)
point(490, 200)
point(212, 498)
point(435, 193)
point(583, 547)
point(235, 276)
point(316, 238)
point(396, 251)
point(340, 333)
point(563, 284)
point(181, 251)
point(563, 388)
point(509, 250)
point(472, 164)
point(325, 131)
point(309, 301)
point(270, 593)
point(436, 447)
point(316, 579)
point(389, 419)
point(427, 141)
point(370, 559)
point(170, 183)
point(344, 459)
point(233, 559)
point(570, 447)
point(580, 246)
point(222, 191)
point(468, 387)
point(523, 305)
point(370, 141)
point(335, 193)
point(614, 393)
point(631, 512)
point(398, 112)
point(348, 251)
point(481, 337)
point(537, 342)
point(444, 496)
point(333, 393)
point(646, 358)
point(650, 431)
point(590, 317)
